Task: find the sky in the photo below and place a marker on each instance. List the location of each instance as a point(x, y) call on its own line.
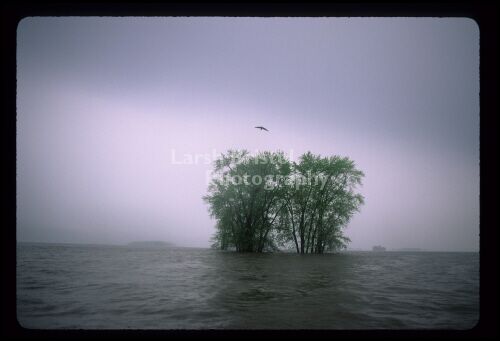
point(110, 112)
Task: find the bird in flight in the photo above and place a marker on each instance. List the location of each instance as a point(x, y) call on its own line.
point(261, 128)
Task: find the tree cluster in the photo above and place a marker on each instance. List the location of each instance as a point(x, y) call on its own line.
point(266, 202)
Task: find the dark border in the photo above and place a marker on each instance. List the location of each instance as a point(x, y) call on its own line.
point(485, 16)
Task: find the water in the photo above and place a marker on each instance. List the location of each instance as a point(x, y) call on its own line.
point(69, 286)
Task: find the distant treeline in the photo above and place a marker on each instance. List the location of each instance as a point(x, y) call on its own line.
point(266, 202)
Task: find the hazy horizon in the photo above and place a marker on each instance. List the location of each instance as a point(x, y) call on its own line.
point(292, 251)
point(108, 107)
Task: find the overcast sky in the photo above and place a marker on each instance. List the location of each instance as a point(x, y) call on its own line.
point(107, 107)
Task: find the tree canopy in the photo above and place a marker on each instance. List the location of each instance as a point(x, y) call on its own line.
point(265, 202)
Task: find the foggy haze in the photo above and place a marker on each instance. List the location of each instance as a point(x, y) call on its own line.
point(109, 111)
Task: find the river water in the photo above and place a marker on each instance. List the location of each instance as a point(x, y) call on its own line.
point(116, 287)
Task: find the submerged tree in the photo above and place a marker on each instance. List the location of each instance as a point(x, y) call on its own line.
point(321, 200)
point(264, 202)
point(244, 198)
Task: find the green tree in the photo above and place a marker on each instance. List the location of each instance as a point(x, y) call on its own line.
point(304, 204)
point(321, 200)
point(244, 198)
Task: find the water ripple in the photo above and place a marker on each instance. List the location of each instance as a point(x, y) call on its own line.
point(119, 287)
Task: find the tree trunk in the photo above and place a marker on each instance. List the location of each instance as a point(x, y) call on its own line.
point(302, 233)
point(294, 232)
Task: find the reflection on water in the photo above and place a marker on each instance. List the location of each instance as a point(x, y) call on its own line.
point(61, 286)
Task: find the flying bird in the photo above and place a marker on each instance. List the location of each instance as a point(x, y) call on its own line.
point(261, 128)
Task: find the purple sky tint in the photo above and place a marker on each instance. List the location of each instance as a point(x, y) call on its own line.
point(102, 102)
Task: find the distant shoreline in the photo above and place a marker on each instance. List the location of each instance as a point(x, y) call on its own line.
point(207, 247)
point(150, 244)
point(104, 244)
point(409, 251)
